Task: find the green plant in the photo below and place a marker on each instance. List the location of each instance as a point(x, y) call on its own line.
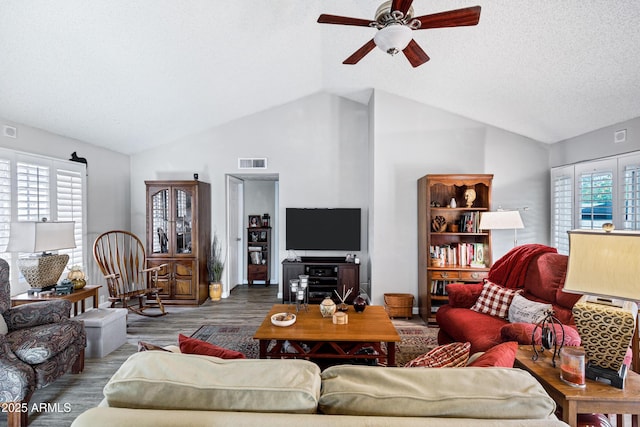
point(215, 263)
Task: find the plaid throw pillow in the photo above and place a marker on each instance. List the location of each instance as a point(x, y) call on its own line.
point(452, 355)
point(495, 300)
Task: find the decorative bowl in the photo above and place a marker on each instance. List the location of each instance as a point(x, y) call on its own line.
point(283, 319)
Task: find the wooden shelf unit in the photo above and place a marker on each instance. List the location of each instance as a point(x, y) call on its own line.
point(434, 196)
point(259, 266)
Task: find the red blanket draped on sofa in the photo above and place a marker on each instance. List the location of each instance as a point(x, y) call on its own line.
point(510, 270)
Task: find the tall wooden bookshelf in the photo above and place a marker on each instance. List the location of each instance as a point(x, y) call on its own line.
point(457, 251)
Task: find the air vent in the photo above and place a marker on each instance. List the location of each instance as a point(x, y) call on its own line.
point(10, 131)
point(252, 163)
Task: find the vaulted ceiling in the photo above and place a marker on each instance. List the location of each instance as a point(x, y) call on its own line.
point(134, 74)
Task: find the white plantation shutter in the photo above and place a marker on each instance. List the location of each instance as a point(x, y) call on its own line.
point(629, 172)
point(561, 207)
point(70, 205)
point(35, 187)
point(5, 206)
point(33, 192)
point(594, 190)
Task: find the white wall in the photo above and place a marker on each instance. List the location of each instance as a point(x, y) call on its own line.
point(317, 145)
point(108, 177)
point(596, 144)
point(411, 140)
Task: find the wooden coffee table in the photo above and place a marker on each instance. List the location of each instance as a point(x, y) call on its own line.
point(316, 337)
point(596, 397)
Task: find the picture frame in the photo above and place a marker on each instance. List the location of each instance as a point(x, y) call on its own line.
point(255, 221)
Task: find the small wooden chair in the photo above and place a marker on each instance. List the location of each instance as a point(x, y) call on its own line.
point(123, 261)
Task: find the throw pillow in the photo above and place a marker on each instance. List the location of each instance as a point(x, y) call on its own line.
point(195, 346)
point(452, 355)
point(495, 300)
point(502, 355)
point(523, 310)
point(522, 332)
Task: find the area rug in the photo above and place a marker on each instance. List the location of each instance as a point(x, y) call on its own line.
point(415, 340)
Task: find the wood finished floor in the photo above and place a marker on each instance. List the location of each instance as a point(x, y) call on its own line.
point(77, 393)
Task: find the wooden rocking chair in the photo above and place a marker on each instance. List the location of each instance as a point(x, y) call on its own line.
point(122, 259)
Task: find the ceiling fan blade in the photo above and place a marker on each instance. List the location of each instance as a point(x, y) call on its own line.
point(343, 20)
point(415, 54)
point(452, 18)
point(360, 53)
point(401, 5)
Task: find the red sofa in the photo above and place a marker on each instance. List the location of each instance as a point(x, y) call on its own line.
point(539, 270)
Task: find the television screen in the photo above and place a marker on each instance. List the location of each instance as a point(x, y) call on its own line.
point(323, 229)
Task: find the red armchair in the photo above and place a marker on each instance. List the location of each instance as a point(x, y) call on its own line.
point(538, 270)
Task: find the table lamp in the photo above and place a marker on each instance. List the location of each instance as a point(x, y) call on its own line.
point(41, 271)
point(605, 267)
point(502, 220)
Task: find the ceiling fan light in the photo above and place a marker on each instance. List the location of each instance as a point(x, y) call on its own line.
point(393, 38)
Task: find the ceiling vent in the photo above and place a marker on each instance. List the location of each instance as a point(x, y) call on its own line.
point(252, 163)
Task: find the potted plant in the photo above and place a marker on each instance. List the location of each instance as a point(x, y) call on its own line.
point(215, 266)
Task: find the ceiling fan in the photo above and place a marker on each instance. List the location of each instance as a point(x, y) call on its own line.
point(395, 23)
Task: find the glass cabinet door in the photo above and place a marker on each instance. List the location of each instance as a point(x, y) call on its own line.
point(183, 216)
point(160, 221)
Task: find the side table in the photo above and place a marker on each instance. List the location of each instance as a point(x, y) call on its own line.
point(89, 291)
point(596, 397)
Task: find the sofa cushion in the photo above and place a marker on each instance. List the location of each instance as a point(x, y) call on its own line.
point(522, 333)
point(195, 346)
point(545, 275)
point(165, 380)
point(451, 355)
point(502, 355)
point(463, 295)
point(527, 311)
point(462, 325)
point(496, 393)
point(38, 344)
point(494, 300)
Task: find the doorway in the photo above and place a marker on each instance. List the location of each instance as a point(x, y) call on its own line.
point(250, 195)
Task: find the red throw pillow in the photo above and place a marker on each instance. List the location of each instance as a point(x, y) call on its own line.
point(521, 332)
point(495, 300)
point(445, 356)
point(195, 346)
point(502, 355)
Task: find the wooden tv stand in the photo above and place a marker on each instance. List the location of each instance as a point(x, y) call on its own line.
point(326, 274)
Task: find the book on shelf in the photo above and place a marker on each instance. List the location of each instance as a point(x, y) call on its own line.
point(470, 222)
point(460, 254)
point(439, 287)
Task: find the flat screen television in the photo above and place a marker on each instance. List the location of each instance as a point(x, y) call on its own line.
point(323, 229)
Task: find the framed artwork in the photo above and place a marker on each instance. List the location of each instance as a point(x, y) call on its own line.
point(255, 221)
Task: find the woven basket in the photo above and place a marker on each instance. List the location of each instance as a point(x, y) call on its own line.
point(399, 305)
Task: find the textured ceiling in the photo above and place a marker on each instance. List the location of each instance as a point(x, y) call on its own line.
point(133, 74)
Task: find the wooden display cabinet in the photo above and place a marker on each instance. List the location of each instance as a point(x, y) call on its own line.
point(259, 254)
point(179, 235)
point(457, 251)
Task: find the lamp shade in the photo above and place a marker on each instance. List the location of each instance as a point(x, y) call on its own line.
point(41, 236)
point(500, 220)
point(393, 38)
point(604, 263)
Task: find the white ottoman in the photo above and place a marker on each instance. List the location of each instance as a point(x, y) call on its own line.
point(106, 330)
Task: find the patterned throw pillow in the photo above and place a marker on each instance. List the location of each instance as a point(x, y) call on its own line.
point(452, 355)
point(523, 310)
point(495, 300)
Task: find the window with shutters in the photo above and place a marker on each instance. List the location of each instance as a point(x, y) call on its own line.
point(587, 195)
point(35, 187)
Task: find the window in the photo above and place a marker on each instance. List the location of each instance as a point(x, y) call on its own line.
point(34, 187)
point(589, 194)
